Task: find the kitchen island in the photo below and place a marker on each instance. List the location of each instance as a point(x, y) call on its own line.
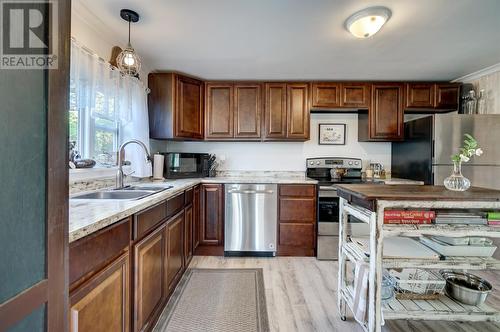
point(368, 203)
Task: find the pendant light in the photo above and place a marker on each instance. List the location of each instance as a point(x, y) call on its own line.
point(128, 61)
point(368, 21)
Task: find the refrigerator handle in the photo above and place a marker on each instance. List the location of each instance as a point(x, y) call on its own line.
point(432, 150)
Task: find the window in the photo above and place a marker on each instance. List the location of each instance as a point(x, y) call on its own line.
point(106, 109)
point(96, 132)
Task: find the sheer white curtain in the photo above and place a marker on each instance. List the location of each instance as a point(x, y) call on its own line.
point(111, 108)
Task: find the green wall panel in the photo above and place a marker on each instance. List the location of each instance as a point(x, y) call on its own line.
point(34, 322)
point(23, 112)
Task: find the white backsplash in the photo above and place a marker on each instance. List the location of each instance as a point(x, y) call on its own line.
point(287, 156)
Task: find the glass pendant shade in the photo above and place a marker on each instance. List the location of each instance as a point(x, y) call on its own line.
point(128, 61)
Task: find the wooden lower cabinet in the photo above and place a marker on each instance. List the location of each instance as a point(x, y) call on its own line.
point(174, 251)
point(102, 303)
point(212, 214)
point(188, 234)
point(196, 217)
point(297, 220)
point(149, 265)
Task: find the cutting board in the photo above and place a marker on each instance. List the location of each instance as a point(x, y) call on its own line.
point(398, 247)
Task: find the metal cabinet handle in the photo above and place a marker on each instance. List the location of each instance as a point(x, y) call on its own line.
point(251, 192)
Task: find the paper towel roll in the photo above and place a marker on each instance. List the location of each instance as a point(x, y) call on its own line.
point(158, 162)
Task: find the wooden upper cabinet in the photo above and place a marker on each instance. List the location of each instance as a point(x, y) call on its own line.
point(325, 95)
point(149, 266)
point(275, 111)
point(212, 214)
point(447, 95)
point(176, 106)
point(247, 110)
point(355, 95)
point(298, 111)
point(420, 95)
point(384, 121)
point(336, 95)
point(219, 110)
point(102, 303)
point(189, 110)
point(440, 96)
point(286, 111)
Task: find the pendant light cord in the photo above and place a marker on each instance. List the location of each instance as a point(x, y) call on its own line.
point(129, 30)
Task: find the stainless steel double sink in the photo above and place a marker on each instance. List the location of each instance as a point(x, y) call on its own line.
point(126, 193)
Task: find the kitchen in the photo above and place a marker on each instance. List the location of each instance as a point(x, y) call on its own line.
point(276, 176)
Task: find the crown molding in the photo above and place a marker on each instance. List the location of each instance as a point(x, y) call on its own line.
point(478, 74)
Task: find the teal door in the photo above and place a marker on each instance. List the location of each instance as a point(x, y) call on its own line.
point(33, 172)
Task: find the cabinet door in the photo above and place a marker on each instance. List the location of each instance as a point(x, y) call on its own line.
point(275, 111)
point(298, 111)
point(212, 207)
point(102, 303)
point(196, 217)
point(174, 250)
point(420, 95)
point(447, 96)
point(247, 110)
point(386, 113)
point(148, 278)
point(188, 113)
point(188, 234)
point(325, 95)
point(219, 119)
point(356, 95)
point(297, 220)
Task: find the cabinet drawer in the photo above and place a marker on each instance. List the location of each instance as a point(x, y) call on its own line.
point(299, 210)
point(188, 199)
point(299, 190)
point(297, 235)
point(175, 204)
point(93, 252)
point(146, 220)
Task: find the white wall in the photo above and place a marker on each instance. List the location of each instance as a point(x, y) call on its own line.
point(287, 156)
point(92, 32)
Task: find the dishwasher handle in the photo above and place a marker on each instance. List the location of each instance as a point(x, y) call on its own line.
point(251, 191)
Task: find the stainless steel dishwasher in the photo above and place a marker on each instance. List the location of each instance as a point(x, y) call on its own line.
point(250, 219)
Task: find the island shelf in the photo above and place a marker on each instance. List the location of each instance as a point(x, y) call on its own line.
point(367, 204)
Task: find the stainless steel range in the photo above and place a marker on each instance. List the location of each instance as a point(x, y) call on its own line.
point(329, 172)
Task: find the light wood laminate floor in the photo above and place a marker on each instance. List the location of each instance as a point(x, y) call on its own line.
point(301, 295)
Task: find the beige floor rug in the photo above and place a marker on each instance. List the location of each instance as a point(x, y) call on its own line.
point(218, 300)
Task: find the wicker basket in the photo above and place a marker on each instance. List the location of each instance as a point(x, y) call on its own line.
point(418, 284)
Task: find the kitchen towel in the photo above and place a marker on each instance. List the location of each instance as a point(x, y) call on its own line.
point(158, 162)
point(361, 296)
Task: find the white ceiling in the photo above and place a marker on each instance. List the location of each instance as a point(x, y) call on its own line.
point(300, 39)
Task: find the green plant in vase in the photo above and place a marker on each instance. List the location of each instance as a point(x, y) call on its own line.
point(456, 181)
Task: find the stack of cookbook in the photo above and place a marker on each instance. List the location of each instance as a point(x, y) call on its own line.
point(464, 218)
point(408, 216)
point(494, 218)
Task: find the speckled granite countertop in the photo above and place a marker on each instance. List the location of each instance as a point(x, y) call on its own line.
point(87, 216)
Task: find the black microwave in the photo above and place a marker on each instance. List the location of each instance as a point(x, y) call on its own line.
point(186, 165)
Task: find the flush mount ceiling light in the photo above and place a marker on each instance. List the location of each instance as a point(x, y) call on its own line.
point(367, 22)
point(128, 61)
